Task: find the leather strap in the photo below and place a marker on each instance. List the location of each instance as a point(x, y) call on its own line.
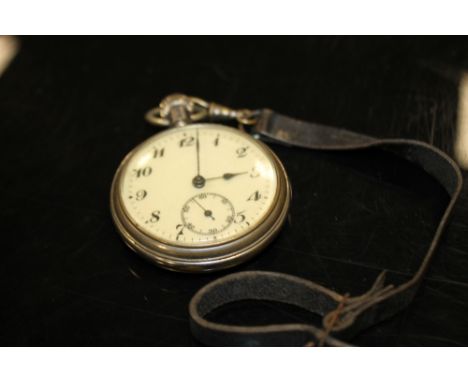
point(343, 316)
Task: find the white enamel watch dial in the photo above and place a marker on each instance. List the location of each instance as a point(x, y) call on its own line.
point(200, 197)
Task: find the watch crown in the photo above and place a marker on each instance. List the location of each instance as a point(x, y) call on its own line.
point(178, 110)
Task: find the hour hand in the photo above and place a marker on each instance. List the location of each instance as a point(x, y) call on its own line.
point(227, 175)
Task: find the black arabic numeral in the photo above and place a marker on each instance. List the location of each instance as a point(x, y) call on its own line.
point(158, 153)
point(187, 140)
point(180, 229)
point(216, 141)
point(155, 216)
point(242, 151)
point(141, 194)
point(240, 217)
point(255, 196)
point(254, 173)
point(143, 171)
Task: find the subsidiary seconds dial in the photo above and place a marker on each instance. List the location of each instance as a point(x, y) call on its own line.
point(207, 214)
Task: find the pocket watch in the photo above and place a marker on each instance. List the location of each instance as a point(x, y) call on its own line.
point(197, 196)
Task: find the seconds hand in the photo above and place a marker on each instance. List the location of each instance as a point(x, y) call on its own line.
point(208, 213)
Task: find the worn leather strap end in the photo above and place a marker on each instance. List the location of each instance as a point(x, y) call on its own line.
point(267, 286)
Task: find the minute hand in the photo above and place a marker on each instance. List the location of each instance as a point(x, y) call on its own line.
point(198, 152)
point(227, 175)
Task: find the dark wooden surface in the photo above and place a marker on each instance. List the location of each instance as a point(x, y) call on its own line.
point(71, 108)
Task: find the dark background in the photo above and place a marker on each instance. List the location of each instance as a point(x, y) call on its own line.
point(71, 108)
